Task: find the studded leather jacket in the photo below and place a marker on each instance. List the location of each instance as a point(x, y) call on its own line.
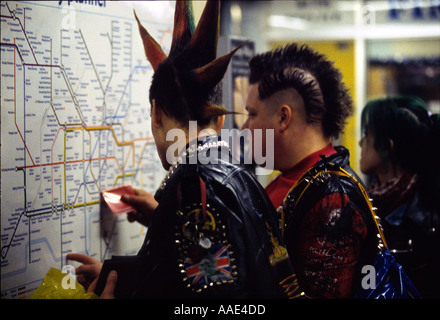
point(213, 235)
point(328, 230)
point(413, 236)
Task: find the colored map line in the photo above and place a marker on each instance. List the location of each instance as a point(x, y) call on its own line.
point(68, 127)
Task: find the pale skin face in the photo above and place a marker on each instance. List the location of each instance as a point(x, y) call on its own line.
point(259, 116)
point(161, 124)
point(372, 163)
point(294, 138)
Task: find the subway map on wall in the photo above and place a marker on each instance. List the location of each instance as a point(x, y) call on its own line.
point(74, 121)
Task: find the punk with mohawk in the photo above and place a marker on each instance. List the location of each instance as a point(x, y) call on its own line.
point(212, 231)
point(185, 83)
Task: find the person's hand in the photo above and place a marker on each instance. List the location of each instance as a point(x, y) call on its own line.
point(88, 272)
point(144, 203)
point(110, 286)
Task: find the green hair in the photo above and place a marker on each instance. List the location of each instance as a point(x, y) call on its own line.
point(405, 121)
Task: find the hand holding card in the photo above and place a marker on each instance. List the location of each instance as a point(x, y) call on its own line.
point(113, 199)
point(145, 205)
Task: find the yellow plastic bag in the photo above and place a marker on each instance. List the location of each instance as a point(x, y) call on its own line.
point(59, 285)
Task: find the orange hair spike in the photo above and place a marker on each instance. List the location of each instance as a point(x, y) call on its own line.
point(153, 51)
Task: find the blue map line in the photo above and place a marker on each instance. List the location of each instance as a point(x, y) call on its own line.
point(60, 206)
point(88, 245)
point(122, 116)
point(114, 116)
point(26, 250)
point(52, 209)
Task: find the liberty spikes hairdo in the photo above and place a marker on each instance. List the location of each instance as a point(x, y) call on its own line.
point(319, 83)
point(185, 83)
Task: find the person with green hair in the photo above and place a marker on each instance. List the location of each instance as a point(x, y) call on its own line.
point(399, 142)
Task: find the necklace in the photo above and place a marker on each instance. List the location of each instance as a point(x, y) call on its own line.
point(188, 152)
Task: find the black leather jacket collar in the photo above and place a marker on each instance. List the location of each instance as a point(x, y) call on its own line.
point(245, 222)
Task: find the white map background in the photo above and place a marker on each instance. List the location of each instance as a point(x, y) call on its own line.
point(74, 121)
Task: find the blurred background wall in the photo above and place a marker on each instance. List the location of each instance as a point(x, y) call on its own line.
point(381, 47)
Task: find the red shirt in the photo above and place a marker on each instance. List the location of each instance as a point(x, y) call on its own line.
point(278, 188)
point(330, 239)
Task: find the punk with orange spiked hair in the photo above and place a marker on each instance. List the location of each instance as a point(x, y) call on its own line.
point(185, 83)
point(212, 231)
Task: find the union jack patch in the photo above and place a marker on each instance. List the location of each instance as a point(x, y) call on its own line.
point(213, 267)
point(206, 258)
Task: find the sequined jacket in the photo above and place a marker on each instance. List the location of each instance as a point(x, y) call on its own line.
point(329, 230)
point(213, 234)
